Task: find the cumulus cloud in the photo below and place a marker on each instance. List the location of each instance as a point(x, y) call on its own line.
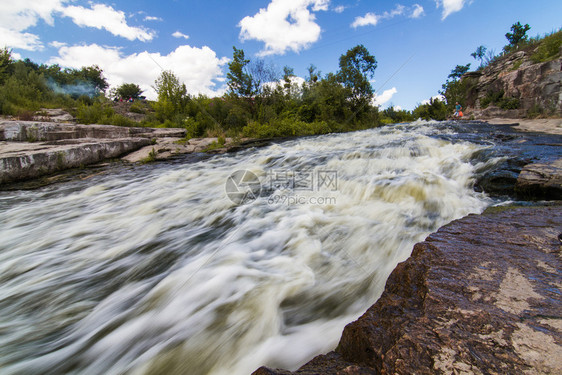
point(372, 19)
point(179, 34)
point(16, 17)
point(18, 39)
point(103, 16)
point(284, 25)
point(199, 68)
point(383, 98)
point(450, 6)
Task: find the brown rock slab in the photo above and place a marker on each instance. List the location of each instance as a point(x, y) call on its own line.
point(483, 295)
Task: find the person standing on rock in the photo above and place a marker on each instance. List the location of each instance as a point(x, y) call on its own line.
point(458, 109)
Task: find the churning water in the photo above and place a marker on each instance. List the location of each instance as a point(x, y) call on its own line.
point(154, 270)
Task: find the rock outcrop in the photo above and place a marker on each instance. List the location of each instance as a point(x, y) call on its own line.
point(34, 131)
point(468, 301)
point(540, 180)
point(31, 149)
point(514, 87)
point(33, 160)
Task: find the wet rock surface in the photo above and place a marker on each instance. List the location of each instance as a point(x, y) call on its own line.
point(512, 151)
point(541, 180)
point(468, 301)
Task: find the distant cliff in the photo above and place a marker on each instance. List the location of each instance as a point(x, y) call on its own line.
point(520, 84)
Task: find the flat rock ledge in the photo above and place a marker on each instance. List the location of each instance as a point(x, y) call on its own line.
point(483, 295)
point(32, 149)
point(31, 160)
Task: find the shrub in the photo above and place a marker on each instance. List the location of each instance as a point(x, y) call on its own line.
point(508, 103)
point(548, 49)
point(94, 114)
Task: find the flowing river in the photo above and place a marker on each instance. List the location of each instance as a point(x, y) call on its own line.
point(154, 270)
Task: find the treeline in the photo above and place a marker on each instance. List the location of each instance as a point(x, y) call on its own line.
point(260, 101)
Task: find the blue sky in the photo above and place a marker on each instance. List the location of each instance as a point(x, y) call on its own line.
point(416, 42)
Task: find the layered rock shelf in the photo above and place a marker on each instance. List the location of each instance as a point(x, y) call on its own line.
point(31, 149)
point(480, 296)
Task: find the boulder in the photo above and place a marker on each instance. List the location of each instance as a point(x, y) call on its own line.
point(480, 296)
point(540, 181)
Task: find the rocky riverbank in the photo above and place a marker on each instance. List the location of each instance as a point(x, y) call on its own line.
point(467, 301)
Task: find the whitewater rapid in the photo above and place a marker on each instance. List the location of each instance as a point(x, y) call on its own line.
point(154, 270)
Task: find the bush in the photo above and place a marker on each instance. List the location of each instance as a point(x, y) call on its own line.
point(137, 107)
point(94, 114)
point(508, 103)
point(492, 97)
point(549, 48)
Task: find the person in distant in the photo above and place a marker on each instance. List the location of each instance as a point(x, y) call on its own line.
point(458, 109)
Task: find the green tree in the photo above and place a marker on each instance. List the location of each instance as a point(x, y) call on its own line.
point(94, 75)
point(479, 54)
point(458, 71)
point(240, 82)
point(129, 90)
point(357, 67)
point(518, 34)
point(172, 96)
point(434, 110)
point(5, 63)
point(454, 89)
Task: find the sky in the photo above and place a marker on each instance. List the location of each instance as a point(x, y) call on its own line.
point(415, 42)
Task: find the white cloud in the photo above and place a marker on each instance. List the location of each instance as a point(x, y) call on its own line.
point(383, 98)
point(199, 68)
point(398, 11)
point(372, 19)
point(16, 17)
point(450, 6)
point(150, 18)
point(436, 97)
point(179, 34)
point(284, 25)
point(56, 44)
point(103, 16)
point(339, 9)
point(17, 39)
point(366, 20)
point(417, 12)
